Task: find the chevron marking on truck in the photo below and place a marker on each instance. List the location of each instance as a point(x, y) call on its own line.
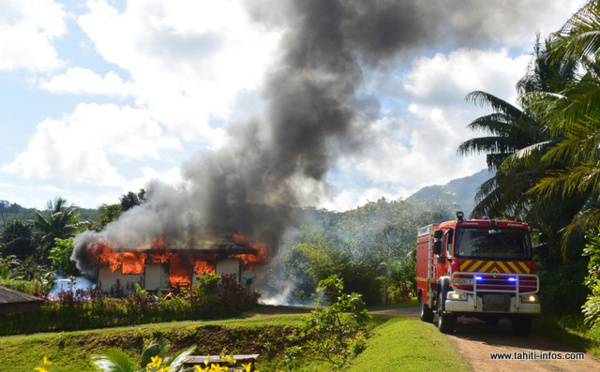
point(495, 267)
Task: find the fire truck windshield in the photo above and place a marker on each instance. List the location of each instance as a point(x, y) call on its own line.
point(497, 243)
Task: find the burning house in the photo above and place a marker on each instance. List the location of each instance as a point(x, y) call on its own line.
point(163, 267)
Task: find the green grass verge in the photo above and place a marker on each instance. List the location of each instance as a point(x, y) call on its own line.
point(406, 344)
point(570, 330)
point(394, 344)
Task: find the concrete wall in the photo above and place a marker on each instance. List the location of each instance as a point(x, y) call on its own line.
point(118, 283)
point(155, 277)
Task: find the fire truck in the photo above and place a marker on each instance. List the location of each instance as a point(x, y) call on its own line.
point(477, 268)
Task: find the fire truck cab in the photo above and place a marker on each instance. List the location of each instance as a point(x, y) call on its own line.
point(477, 268)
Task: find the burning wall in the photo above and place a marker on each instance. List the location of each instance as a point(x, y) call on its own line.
point(159, 267)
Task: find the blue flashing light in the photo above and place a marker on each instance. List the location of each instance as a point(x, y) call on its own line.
point(511, 279)
point(485, 217)
point(478, 277)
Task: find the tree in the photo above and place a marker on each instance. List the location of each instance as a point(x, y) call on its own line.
point(60, 256)
point(17, 240)
point(58, 221)
point(575, 117)
point(109, 213)
point(518, 139)
point(335, 333)
point(132, 199)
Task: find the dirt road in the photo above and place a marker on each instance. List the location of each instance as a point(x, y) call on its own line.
point(476, 342)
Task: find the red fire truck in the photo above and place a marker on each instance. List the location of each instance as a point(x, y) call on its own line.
point(477, 268)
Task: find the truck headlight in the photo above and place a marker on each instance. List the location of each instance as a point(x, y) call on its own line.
point(457, 296)
point(529, 298)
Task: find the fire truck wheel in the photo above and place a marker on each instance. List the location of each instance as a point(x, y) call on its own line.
point(445, 320)
point(521, 325)
point(426, 312)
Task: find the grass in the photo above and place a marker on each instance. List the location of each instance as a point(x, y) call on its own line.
point(570, 330)
point(395, 344)
point(406, 344)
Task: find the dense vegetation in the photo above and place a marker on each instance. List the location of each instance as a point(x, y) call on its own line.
point(546, 157)
point(214, 297)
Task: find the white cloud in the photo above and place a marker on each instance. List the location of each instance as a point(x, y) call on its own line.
point(77, 147)
point(189, 60)
point(446, 79)
point(416, 146)
point(77, 80)
point(27, 32)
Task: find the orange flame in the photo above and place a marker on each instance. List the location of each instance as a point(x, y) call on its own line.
point(131, 262)
point(182, 264)
point(201, 267)
point(179, 274)
point(252, 260)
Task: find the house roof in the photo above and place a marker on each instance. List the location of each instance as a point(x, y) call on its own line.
point(10, 296)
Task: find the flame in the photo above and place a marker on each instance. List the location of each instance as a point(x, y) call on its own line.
point(182, 264)
point(131, 262)
point(201, 267)
point(252, 260)
point(180, 270)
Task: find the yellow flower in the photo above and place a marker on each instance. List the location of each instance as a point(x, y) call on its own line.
point(47, 363)
point(165, 369)
point(156, 362)
point(247, 367)
point(200, 369)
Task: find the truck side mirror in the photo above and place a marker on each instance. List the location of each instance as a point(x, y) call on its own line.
point(437, 234)
point(437, 247)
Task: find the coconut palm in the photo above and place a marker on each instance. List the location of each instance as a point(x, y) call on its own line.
point(574, 116)
point(517, 140)
point(58, 221)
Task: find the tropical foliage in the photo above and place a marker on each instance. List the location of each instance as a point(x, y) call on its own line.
point(154, 358)
point(214, 297)
point(547, 154)
point(370, 248)
point(333, 334)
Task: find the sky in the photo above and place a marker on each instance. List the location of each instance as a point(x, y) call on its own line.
point(101, 97)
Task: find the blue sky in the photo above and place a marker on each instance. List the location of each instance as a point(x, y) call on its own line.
point(99, 97)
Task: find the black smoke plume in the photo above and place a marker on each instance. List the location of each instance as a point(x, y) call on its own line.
point(316, 111)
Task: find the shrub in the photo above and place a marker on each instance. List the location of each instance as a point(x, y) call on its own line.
point(591, 308)
point(214, 297)
point(333, 334)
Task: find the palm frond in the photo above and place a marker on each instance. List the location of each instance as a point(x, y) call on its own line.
point(114, 361)
point(484, 99)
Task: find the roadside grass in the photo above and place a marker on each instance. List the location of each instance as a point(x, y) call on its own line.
point(395, 343)
point(571, 330)
point(406, 344)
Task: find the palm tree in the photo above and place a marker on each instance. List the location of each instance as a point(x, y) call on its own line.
point(518, 139)
point(574, 116)
point(509, 129)
point(57, 221)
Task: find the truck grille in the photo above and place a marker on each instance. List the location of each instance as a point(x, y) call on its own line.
point(518, 284)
